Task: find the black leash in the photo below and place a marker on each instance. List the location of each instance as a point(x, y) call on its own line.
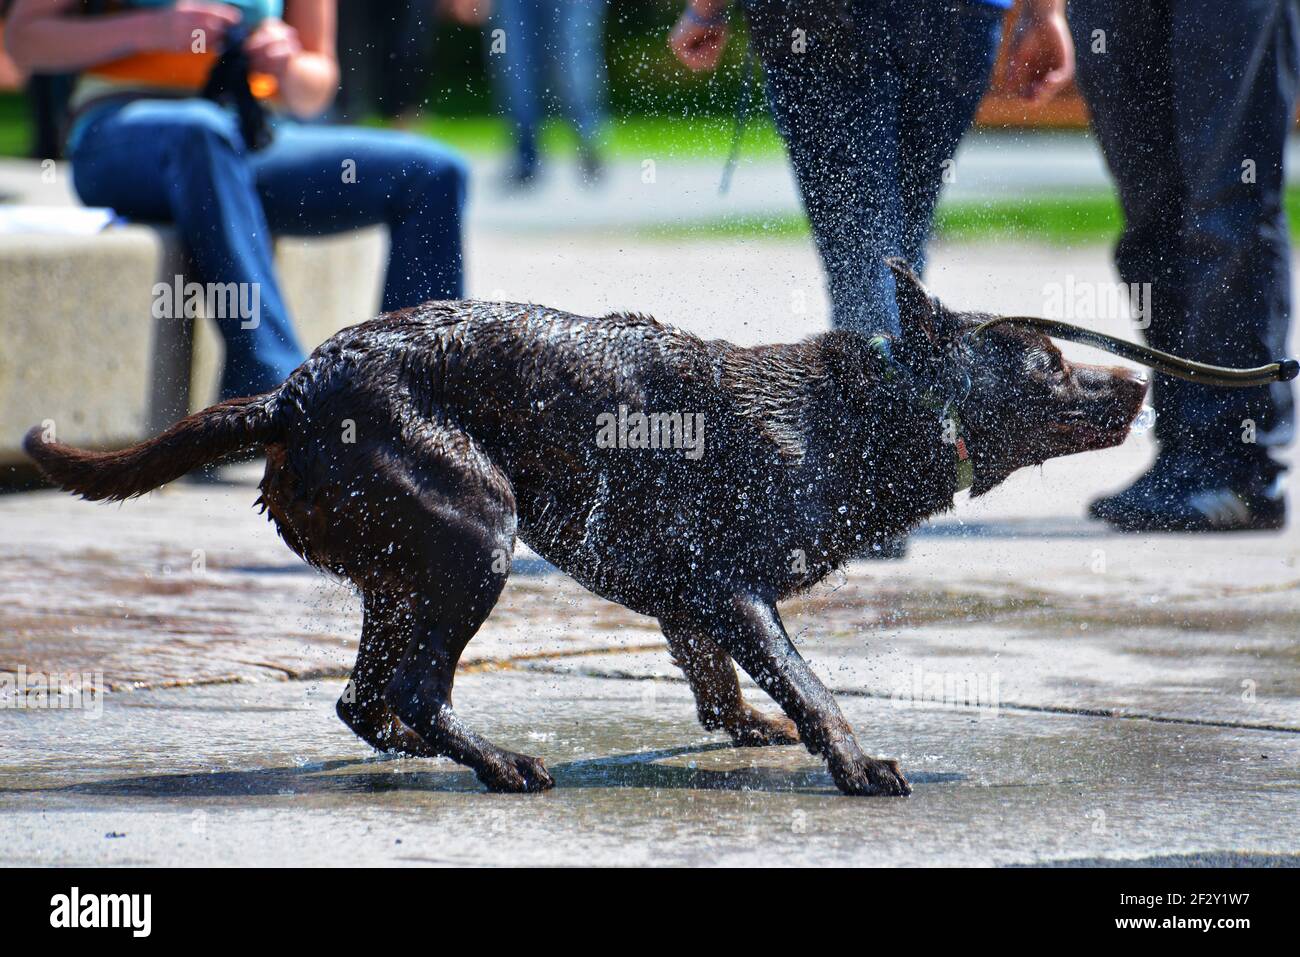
point(1283, 370)
point(741, 120)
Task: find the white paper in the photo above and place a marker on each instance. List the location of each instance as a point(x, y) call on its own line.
point(56, 220)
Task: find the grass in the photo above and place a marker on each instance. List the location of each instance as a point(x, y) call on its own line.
point(1086, 217)
point(15, 127)
point(632, 137)
point(1072, 219)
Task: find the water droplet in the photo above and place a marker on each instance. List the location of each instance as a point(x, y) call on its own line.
point(1144, 421)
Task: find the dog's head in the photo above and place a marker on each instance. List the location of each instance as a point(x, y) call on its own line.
point(1021, 402)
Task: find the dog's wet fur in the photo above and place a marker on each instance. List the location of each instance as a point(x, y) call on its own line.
point(473, 422)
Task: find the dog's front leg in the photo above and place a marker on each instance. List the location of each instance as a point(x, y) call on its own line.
point(750, 630)
point(718, 700)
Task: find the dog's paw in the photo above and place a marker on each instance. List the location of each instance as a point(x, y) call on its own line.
point(758, 730)
point(870, 777)
point(510, 773)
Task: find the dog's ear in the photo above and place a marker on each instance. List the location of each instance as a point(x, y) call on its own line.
point(927, 327)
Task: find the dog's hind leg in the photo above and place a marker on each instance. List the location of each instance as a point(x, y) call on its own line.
point(718, 700)
point(460, 550)
point(423, 522)
point(420, 691)
point(385, 633)
point(750, 630)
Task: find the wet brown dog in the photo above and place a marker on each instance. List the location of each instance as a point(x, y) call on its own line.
point(694, 481)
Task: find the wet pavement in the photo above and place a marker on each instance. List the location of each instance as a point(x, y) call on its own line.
point(264, 774)
point(1056, 693)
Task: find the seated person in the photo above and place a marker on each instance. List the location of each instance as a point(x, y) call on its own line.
point(143, 141)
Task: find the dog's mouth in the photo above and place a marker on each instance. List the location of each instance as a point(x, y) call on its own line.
point(1080, 435)
point(1094, 438)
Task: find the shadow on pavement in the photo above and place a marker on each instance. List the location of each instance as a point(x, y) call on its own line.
point(1043, 528)
point(632, 770)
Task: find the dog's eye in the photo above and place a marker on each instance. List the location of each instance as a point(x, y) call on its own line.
point(1048, 365)
point(1041, 362)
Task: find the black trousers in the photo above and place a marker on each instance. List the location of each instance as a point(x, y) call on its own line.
point(872, 105)
point(1192, 101)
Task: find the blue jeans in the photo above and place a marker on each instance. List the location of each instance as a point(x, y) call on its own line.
point(870, 109)
point(551, 45)
point(183, 161)
point(1182, 96)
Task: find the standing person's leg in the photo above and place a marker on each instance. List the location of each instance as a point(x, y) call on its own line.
point(579, 69)
point(518, 68)
point(327, 179)
point(833, 88)
point(1125, 74)
point(947, 55)
point(184, 161)
point(1236, 72)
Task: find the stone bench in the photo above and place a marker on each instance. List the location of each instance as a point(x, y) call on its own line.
point(79, 346)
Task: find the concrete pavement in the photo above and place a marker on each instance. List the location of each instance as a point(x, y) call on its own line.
point(1057, 693)
point(664, 188)
point(264, 774)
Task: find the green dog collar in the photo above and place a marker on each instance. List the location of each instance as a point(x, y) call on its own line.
point(963, 466)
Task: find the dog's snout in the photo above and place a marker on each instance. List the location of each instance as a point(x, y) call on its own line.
point(1132, 384)
point(1101, 381)
point(1134, 388)
point(1128, 392)
point(1112, 396)
point(1135, 376)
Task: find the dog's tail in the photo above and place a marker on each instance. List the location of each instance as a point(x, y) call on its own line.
point(195, 441)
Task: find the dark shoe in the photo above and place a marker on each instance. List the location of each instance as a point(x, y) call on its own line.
point(1242, 506)
point(1170, 475)
point(591, 169)
point(520, 178)
point(528, 161)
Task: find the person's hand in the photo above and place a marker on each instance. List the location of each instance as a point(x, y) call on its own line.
point(11, 78)
point(698, 45)
point(1041, 59)
point(175, 27)
point(272, 47)
point(471, 13)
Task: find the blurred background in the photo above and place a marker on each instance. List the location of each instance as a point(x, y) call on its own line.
point(191, 586)
point(1029, 170)
point(633, 220)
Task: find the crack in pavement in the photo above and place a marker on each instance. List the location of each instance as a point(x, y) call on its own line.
point(536, 664)
point(1066, 710)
